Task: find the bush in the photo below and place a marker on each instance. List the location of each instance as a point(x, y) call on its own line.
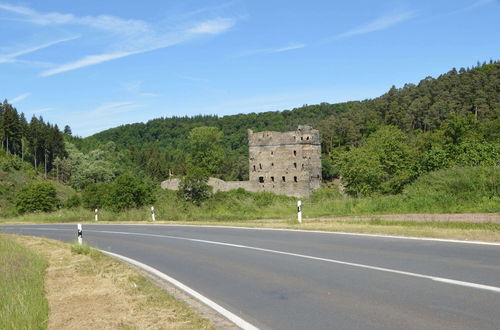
point(194, 187)
point(39, 196)
point(128, 192)
point(94, 195)
point(73, 201)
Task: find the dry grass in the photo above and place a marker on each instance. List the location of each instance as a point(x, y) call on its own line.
point(95, 291)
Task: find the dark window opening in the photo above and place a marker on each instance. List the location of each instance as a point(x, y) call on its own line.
point(283, 178)
point(261, 179)
point(260, 166)
point(272, 178)
point(254, 168)
point(272, 153)
point(307, 138)
point(302, 138)
point(272, 164)
point(295, 165)
point(294, 179)
point(302, 166)
point(295, 152)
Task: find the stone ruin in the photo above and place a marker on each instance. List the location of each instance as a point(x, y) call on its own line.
point(285, 163)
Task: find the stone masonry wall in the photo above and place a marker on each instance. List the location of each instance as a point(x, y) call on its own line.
point(286, 163)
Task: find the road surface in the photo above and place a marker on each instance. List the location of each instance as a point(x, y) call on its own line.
point(279, 279)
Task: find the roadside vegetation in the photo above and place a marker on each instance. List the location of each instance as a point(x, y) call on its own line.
point(22, 297)
point(83, 289)
point(427, 148)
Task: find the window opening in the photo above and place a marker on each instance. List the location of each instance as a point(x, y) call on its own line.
point(254, 168)
point(260, 166)
point(261, 179)
point(272, 178)
point(295, 165)
point(294, 179)
point(295, 152)
point(283, 178)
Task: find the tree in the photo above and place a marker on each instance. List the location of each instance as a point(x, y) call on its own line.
point(39, 196)
point(384, 164)
point(128, 192)
point(67, 130)
point(194, 187)
point(205, 149)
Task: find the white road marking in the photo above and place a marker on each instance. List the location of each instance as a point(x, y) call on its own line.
point(340, 262)
point(444, 240)
point(388, 270)
point(221, 310)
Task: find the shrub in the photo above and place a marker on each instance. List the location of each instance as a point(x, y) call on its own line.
point(128, 192)
point(39, 196)
point(73, 201)
point(94, 195)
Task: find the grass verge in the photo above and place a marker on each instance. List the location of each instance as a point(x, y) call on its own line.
point(87, 289)
point(22, 297)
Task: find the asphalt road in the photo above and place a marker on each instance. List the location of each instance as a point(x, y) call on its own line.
point(302, 280)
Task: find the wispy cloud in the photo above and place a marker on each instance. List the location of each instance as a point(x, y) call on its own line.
point(19, 98)
point(111, 108)
point(272, 50)
point(12, 56)
point(380, 23)
point(127, 36)
point(214, 26)
point(39, 111)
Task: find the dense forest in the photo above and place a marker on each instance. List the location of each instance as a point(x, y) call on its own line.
point(423, 115)
point(376, 146)
point(38, 142)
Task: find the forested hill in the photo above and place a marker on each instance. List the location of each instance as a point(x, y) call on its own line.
point(161, 143)
point(423, 106)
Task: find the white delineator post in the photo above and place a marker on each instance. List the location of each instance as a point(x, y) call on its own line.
point(153, 213)
point(96, 216)
point(79, 233)
point(299, 211)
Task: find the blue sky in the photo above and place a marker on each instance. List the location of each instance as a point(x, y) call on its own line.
point(98, 64)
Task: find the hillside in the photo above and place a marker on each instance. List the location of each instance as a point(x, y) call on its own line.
point(14, 176)
point(160, 144)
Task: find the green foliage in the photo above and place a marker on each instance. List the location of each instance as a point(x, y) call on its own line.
point(94, 196)
point(383, 164)
point(193, 187)
point(22, 295)
point(83, 248)
point(73, 201)
point(205, 149)
point(39, 196)
point(128, 192)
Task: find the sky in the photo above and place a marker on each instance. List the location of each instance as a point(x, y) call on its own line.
point(95, 65)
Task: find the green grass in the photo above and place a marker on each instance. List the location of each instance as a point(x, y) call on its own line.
point(22, 297)
point(455, 190)
point(84, 248)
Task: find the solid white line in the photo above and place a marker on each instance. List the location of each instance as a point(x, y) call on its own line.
point(221, 310)
point(443, 240)
point(340, 262)
point(388, 270)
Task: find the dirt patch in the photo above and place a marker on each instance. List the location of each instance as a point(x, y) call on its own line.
point(421, 217)
point(95, 291)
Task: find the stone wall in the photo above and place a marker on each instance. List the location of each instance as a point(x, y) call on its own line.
point(285, 163)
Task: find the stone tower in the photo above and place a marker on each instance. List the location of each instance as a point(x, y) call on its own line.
point(286, 163)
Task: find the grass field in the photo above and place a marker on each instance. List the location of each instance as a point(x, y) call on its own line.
point(22, 296)
point(84, 289)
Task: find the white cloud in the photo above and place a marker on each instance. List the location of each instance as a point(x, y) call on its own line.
point(12, 57)
point(19, 98)
point(214, 26)
point(127, 36)
point(281, 49)
point(378, 24)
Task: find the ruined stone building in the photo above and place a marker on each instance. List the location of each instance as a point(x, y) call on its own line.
point(286, 163)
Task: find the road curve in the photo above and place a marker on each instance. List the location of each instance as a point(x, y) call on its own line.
point(278, 279)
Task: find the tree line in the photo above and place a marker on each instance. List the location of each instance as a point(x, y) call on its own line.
point(36, 141)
